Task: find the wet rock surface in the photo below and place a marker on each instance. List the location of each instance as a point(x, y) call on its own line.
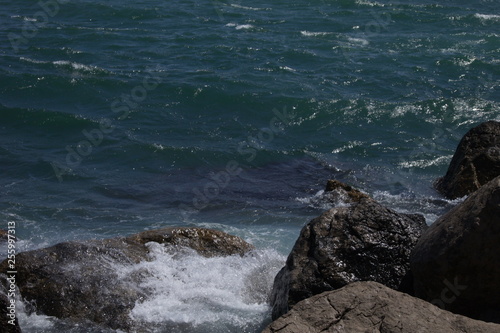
point(372, 307)
point(339, 192)
point(79, 280)
point(363, 242)
point(456, 262)
point(475, 162)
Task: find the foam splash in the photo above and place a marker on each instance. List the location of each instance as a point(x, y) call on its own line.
point(188, 289)
point(487, 17)
point(249, 8)
point(431, 207)
point(240, 26)
point(314, 34)
point(65, 63)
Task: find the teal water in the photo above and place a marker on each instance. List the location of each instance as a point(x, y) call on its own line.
point(122, 116)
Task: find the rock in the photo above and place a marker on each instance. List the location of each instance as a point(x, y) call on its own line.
point(365, 241)
point(207, 242)
point(456, 263)
point(79, 280)
point(475, 162)
point(4, 235)
point(372, 307)
point(8, 317)
point(340, 192)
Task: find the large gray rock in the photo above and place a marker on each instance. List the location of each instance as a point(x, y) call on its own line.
point(456, 262)
point(475, 162)
point(79, 281)
point(362, 242)
point(371, 307)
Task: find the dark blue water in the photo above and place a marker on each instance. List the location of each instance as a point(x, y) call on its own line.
point(121, 116)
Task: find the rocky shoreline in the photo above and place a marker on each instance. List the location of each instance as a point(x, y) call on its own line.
point(356, 268)
point(364, 268)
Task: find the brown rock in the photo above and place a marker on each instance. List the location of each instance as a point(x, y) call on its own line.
point(207, 242)
point(475, 162)
point(365, 241)
point(79, 281)
point(363, 307)
point(456, 262)
point(4, 235)
point(339, 191)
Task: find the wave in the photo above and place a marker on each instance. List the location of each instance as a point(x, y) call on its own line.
point(240, 26)
point(315, 34)
point(186, 288)
point(487, 17)
point(67, 64)
point(250, 8)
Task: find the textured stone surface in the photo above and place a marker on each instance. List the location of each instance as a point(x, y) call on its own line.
point(339, 192)
point(456, 262)
point(475, 162)
point(207, 242)
point(365, 241)
point(79, 280)
point(371, 307)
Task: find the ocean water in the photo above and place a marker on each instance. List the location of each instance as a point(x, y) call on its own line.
point(123, 116)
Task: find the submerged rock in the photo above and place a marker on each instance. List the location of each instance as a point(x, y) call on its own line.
point(475, 162)
point(372, 307)
point(365, 241)
point(456, 262)
point(79, 280)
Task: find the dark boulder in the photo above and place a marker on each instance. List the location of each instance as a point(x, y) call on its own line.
point(365, 241)
point(456, 262)
point(79, 280)
point(475, 162)
point(372, 307)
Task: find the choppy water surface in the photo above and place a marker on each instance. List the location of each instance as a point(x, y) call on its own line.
point(121, 116)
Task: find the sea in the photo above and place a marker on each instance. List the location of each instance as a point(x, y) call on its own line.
point(123, 116)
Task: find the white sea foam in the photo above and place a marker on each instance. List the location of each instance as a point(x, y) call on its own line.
point(314, 34)
point(74, 65)
point(33, 60)
point(358, 41)
point(64, 63)
point(32, 322)
point(288, 69)
point(487, 17)
point(186, 288)
point(425, 163)
point(240, 26)
point(348, 146)
point(248, 8)
point(325, 200)
point(370, 3)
